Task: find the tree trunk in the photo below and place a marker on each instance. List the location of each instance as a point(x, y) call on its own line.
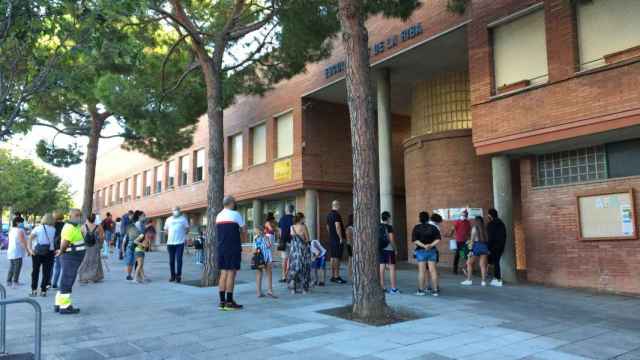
point(97, 120)
point(215, 167)
point(368, 297)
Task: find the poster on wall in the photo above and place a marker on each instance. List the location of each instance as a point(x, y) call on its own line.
point(473, 212)
point(442, 212)
point(627, 223)
point(607, 216)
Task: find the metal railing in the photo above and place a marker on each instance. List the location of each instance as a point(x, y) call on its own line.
point(3, 322)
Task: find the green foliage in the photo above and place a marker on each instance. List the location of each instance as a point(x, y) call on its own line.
point(457, 6)
point(61, 157)
point(30, 189)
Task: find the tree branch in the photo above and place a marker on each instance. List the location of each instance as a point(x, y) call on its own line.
point(238, 33)
point(184, 75)
point(251, 57)
point(166, 58)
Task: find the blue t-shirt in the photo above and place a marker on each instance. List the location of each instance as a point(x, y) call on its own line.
point(285, 224)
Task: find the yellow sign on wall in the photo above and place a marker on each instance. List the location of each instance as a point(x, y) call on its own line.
point(282, 170)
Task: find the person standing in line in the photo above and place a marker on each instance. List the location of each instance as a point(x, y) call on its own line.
point(479, 250)
point(387, 252)
point(231, 231)
point(461, 230)
point(16, 250)
point(335, 227)
point(91, 268)
point(142, 243)
point(300, 257)
point(319, 255)
point(497, 236)
point(198, 245)
point(57, 266)
point(264, 245)
point(134, 229)
point(426, 236)
point(108, 228)
point(117, 241)
point(72, 250)
point(349, 246)
point(284, 228)
point(177, 227)
point(42, 254)
point(126, 220)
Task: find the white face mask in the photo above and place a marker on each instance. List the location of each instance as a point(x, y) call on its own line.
point(176, 213)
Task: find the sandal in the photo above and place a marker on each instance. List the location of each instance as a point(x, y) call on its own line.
point(34, 293)
point(271, 295)
point(261, 295)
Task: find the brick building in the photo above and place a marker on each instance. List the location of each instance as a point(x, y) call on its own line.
point(531, 107)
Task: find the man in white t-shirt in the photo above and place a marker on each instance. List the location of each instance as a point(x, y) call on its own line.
point(177, 227)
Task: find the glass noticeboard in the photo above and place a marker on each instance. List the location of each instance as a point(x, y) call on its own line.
point(607, 216)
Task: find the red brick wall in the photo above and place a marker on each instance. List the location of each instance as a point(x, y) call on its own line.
point(442, 171)
point(555, 255)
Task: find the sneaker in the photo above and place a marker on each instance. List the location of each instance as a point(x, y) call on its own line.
point(429, 289)
point(435, 292)
point(483, 283)
point(54, 286)
point(467, 283)
point(69, 311)
point(221, 305)
point(334, 280)
point(232, 306)
point(129, 278)
point(282, 280)
point(496, 283)
point(421, 293)
point(394, 291)
point(321, 283)
point(178, 279)
point(340, 280)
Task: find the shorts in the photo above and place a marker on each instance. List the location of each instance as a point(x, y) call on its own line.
point(480, 248)
point(319, 262)
point(388, 257)
point(349, 250)
point(336, 249)
point(424, 255)
point(139, 254)
point(230, 259)
point(129, 257)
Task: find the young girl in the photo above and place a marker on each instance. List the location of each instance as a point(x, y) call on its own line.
point(319, 255)
point(142, 244)
point(264, 244)
point(479, 249)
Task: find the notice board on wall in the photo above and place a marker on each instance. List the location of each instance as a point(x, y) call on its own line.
point(607, 216)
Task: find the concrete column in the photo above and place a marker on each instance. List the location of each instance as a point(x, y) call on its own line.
point(503, 202)
point(311, 212)
point(384, 141)
point(257, 213)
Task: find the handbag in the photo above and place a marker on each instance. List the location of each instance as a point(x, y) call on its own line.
point(43, 249)
point(257, 261)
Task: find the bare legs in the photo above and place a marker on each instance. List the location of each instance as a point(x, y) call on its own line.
point(392, 275)
point(422, 272)
point(483, 266)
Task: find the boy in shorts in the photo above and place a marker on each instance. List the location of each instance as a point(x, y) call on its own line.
point(319, 254)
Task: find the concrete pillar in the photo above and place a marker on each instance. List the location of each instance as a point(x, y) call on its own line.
point(384, 141)
point(503, 202)
point(311, 212)
point(257, 213)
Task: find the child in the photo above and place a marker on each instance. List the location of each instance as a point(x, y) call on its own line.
point(263, 245)
point(319, 254)
point(142, 244)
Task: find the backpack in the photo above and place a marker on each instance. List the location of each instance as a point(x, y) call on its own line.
point(383, 237)
point(90, 238)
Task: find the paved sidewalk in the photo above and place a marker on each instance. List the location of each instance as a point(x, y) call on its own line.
point(161, 320)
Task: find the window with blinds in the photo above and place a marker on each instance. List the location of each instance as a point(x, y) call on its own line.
point(171, 177)
point(198, 174)
point(259, 144)
point(148, 183)
point(606, 27)
point(120, 188)
point(520, 50)
point(284, 146)
point(112, 195)
point(127, 189)
point(138, 180)
point(105, 197)
point(235, 159)
point(159, 174)
point(184, 170)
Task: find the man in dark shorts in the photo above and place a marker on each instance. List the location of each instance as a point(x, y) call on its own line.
point(284, 226)
point(231, 233)
point(337, 237)
point(387, 254)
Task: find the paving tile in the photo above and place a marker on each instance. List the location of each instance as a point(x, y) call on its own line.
point(284, 331)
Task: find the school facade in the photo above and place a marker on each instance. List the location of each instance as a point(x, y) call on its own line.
point(531, 107)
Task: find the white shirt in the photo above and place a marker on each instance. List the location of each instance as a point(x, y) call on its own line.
point(229, 216)
point(45, 235)
point(15, 250)
point(118, 227)
point(176, 228)
point(317, 249)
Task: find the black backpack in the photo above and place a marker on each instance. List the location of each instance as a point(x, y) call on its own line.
point(383, 237)
point(90, 236)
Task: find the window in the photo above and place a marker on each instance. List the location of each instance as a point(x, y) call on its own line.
point(105, 197)
point(138, 181)
point(120, 191)
point(159, 174)
point(570, 167)
point(112, 195)
point(623, 158)
point(96, 199)
point(148, 181)
point(520, 50)
point(606, 27)
point(235, 158)
point(184, 170)
point(171, 179)
point(198, 175)
point(127, 191)
point(259, 144)
point(284, 135)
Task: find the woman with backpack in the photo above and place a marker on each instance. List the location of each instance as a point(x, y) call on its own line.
point(91, 268)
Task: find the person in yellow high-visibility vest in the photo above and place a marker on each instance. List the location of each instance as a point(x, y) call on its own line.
point(71, 253)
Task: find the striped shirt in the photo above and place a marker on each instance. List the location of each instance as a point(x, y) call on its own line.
point(229, 223)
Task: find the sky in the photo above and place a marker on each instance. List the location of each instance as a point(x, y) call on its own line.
point(24, 146)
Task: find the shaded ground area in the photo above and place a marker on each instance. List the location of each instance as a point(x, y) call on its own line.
point(161, 320)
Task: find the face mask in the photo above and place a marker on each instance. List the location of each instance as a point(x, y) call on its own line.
point(176, 213)
point(74, 221)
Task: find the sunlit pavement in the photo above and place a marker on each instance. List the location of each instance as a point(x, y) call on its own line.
point(162, 320)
